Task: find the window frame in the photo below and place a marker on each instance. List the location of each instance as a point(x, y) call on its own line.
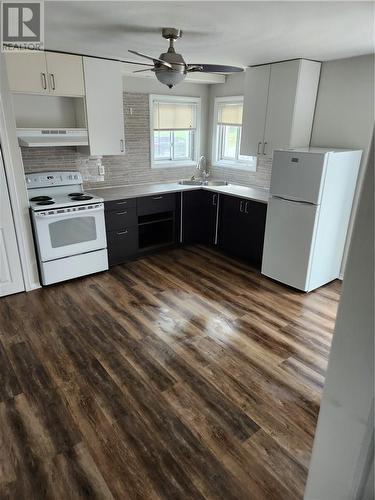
point(248, 165)
point(196, 147)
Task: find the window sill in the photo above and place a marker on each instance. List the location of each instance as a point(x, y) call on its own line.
point(236, 166)
point(173, 164)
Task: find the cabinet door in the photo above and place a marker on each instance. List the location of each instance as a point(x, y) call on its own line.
point(280, 108)
point(211, 204)
point(231, 225)
point(253, 232)
point(242, 229)
point(254, 109)
point(104, 103)
point(192, 227)
point(122, 244)
point(199, 217)
point(27, 72)
point(65, 74)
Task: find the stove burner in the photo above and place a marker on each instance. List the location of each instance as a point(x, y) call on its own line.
point(46, 202)
point(82, 197)
point(75, 194)
point(41, 198)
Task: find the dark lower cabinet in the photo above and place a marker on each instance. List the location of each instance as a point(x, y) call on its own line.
point(122, 245)
point(147, 224)
point(242, 226)
point(137, 226)
point(122, 230)
point(199, 217)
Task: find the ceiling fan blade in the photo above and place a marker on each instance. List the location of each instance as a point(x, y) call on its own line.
point(137, 63)
point(140, 70)
point(155, 59)
point(213, 68)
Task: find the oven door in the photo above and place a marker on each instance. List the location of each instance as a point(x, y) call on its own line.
point(69, 231)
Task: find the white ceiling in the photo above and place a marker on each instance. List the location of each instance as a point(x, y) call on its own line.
point(223, 32)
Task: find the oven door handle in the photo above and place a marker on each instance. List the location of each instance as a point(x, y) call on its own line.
point(38, 215)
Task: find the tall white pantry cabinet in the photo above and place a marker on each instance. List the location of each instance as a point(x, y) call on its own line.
point(279, 105)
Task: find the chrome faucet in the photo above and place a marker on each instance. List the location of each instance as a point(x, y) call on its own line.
point(203, 169)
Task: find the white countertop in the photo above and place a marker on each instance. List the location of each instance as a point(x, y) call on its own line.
point(137, 190)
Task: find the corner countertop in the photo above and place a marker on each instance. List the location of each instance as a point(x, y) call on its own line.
point(137, 190)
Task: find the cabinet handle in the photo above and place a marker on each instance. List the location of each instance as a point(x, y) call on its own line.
point(157, 197)
point(122, 149)
point(258, 150)
point(264, 147)
point(122, 213)
point(121, 203)
point(44, 80)
point(52, 78)
point(122, 232)
point(214, 200)
point(246, 205)
point(241, 206)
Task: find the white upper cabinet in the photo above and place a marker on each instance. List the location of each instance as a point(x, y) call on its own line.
point(254, 109)
point(104, 106)
point(45, 73)
point(282, 119)
point(65, 73)
point(27, 72)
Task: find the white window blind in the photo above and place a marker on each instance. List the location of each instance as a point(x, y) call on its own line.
point(174, 116)
point(230, 114)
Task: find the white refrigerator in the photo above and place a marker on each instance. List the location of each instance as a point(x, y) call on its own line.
point(311, 198)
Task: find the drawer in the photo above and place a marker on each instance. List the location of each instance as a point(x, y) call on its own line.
point(120, 218)
point(156, 203)
point(120, 204)
point(122, 244)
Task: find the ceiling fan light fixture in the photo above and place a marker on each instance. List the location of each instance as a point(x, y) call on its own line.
point(170, 77)
point(171, 69)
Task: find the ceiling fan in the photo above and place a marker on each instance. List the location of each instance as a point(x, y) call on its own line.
point(170, 68)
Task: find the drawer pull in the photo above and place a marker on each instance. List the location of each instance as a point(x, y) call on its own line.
point(44, 80)
point(122, 202)
point(157, 197)
point(53, 84)
point(122, 213)
point(122, 232)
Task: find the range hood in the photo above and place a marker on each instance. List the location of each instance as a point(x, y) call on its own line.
point(45, 137)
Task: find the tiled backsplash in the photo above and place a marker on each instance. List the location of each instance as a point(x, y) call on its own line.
point(134, 167)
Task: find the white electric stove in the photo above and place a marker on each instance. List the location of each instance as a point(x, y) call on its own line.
point(69, 226)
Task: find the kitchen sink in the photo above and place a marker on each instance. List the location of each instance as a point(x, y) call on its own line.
point(215, 183)
point(188, 182)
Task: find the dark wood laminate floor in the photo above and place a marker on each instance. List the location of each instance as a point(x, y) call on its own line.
point(179, 376)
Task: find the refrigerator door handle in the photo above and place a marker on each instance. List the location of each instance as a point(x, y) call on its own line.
point(299, 202)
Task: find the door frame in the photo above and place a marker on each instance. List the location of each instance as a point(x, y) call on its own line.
point(15, 176)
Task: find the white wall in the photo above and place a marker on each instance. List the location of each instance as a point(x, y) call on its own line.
point(344, 115)
point(345, 426)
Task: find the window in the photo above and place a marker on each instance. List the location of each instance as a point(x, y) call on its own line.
point(174, 130)
point(227, 135)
